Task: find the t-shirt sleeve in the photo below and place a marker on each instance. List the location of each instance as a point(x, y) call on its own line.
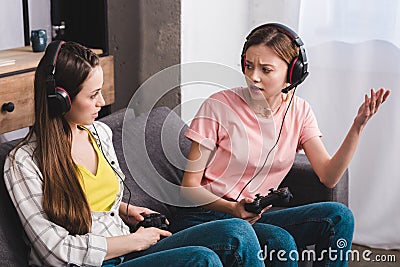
point(309, 128)
point(204, 127)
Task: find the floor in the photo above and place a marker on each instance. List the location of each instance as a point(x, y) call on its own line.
point(368, 257)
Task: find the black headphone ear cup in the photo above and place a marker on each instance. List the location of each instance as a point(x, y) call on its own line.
point(60, 102)
point(295, 71)
point(64, 99)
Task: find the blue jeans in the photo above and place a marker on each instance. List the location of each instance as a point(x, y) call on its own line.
point(327, 225)
point(230, 242)
point(184, 256)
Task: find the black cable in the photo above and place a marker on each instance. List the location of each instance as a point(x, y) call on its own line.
point(273, 147)
point(130, 193)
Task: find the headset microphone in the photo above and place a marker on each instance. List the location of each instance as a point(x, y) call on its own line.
point(293, 85)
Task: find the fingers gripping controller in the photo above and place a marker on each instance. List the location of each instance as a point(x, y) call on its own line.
point(153, 220)
point(261, 202)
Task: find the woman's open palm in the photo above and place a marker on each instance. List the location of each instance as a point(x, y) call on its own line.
point(370, 106)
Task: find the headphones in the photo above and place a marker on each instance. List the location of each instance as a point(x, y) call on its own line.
point(58, 99)
point(297, 70)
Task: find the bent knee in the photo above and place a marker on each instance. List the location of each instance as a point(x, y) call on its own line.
point(339, 213)
point(282, 240)
point(238, 230)
point(206, 257)
point(234, 226)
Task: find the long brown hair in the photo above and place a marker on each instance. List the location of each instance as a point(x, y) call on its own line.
point(64, 201)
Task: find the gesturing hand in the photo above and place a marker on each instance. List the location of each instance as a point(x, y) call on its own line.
point(370, 106)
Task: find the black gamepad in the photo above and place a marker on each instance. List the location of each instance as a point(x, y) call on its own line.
point(153, 220)
point(260, 202)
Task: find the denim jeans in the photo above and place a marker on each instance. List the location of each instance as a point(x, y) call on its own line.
point(327, 225)
point(184, 256)
point(230, 242)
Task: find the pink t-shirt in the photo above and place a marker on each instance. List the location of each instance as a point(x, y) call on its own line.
point(240, 141)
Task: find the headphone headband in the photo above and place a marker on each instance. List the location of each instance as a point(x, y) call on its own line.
point(58, 99)
point(52, 51)
point(281, 28)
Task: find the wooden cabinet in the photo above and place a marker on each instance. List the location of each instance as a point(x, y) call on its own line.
point(16, 86)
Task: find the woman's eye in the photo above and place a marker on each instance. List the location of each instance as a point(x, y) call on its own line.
point(248, 66)
point(265, 70)
point(94, 95)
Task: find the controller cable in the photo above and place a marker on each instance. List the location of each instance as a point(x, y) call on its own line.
point(269, 152)
point(129, 191)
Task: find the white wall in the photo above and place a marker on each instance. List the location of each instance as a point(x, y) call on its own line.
point(211, 31)
point(39, 16)
point(11, 24)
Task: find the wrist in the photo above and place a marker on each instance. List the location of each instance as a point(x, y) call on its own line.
point(357, 127)
point(122, 206)
point(231, 207)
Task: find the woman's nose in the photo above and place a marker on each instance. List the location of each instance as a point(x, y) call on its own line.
point(255, 77)
point(100, 101)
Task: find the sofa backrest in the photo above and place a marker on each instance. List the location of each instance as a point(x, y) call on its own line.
point(148, 147)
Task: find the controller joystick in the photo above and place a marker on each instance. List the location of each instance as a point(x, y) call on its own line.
point(260, 202)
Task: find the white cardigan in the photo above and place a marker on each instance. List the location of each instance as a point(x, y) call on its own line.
point(51, 244)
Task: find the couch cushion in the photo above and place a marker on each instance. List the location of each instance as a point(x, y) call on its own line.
point(306, 187)
point(13, 251)
point(152, 151)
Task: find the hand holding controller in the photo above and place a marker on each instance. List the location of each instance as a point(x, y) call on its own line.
point(153, 220)
point(260, 202)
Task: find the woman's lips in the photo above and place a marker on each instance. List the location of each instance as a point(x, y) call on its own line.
point(255, 88)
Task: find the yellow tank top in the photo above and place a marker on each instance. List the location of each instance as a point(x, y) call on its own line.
point(100, 189)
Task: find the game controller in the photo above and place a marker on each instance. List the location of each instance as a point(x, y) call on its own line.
point(260, 202)
point(153, 220)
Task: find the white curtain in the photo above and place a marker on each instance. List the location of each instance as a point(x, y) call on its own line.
point(353, 46)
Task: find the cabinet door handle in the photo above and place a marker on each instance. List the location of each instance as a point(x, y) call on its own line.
point(8, 107)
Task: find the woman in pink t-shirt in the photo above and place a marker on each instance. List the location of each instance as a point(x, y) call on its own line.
point(245, 141)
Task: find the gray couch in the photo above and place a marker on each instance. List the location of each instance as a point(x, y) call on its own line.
point(160, 124)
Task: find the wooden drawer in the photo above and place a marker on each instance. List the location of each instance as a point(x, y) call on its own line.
point(18, 89)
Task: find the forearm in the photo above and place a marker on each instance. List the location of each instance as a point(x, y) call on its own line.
point(200, 196)
point(123, 211)
point(340, 161)
point(119, 245)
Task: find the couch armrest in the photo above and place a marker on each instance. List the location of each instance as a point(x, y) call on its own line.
point(306, 187)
